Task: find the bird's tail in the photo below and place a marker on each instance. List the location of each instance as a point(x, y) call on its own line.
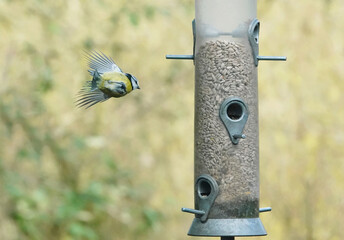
point(95, 80)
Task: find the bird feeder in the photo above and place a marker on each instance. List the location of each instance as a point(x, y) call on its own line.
point(226, 164)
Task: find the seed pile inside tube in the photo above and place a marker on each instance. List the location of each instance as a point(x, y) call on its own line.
point(226, 69)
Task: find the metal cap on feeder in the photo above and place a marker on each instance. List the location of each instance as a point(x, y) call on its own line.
point(226, 164)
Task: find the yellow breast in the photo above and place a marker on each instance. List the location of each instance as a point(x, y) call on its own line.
point(112, 83)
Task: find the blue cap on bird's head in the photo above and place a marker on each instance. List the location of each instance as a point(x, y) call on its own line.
point(133, 80)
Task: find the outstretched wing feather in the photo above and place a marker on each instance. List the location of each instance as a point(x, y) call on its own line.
point(101, 63)
point(88, 98)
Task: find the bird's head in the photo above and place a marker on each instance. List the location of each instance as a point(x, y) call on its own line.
point(133, 81)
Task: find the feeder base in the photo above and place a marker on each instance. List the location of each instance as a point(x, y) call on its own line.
point(227, 227)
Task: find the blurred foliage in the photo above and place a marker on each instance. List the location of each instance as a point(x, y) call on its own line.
point(301, 110)
point(121, 170)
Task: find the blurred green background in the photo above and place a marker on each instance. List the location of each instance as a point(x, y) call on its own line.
point(123, 169)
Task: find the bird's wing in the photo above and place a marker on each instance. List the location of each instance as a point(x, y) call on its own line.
point(86, 98)
point(119, 87)
point(100, 62)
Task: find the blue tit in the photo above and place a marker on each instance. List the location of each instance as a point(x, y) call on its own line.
point(108, 80)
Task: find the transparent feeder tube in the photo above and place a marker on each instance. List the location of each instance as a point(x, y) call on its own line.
point(225, 69)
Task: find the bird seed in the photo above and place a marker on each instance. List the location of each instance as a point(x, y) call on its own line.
point(224, 70)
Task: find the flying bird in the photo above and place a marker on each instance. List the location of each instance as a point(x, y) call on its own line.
point(108, 81)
